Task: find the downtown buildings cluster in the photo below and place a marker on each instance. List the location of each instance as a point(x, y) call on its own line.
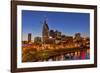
point(54, 39)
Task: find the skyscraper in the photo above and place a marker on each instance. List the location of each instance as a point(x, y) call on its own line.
point(29, 37)
point(52, 33)
point(77, 37)
point(45, 32)
point(37, 40)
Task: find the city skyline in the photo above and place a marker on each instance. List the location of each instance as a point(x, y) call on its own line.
point(32, 22)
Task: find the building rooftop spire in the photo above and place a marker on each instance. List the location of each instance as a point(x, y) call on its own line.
point(45, 24)
point(45, 21)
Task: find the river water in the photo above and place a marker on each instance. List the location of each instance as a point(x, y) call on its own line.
point(79, 55)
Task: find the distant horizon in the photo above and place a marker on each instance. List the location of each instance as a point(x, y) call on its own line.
point(67, 23)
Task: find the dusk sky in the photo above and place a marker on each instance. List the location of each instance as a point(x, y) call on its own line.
point(66, 22)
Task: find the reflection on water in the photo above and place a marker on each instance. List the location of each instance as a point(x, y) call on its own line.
point(79, 55)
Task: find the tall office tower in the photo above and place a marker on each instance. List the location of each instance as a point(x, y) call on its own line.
point(29, 37)
point(77, 36)
point(45, 32)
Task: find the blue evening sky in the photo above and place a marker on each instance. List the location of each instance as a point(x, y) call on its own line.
point(66, 22)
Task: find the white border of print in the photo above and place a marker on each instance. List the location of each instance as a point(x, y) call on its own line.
point(60, 63)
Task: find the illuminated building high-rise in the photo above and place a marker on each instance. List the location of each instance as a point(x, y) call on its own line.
point(29, 37)
point(77, 37)
point(45, 32)
point(37, 40)
point(52, 33)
